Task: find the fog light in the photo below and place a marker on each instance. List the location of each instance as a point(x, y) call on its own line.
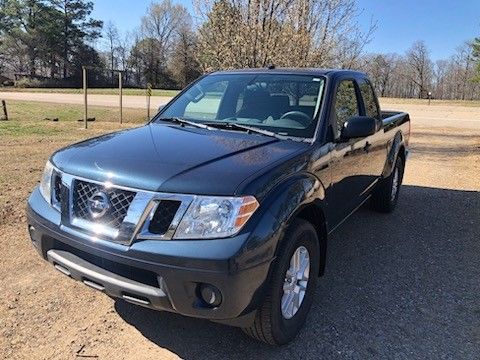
point(34, 236)
point(211, 295)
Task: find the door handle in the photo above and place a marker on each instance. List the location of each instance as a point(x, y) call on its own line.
point(367, 147)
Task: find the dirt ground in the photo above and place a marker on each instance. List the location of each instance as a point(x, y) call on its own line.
point(400, 286)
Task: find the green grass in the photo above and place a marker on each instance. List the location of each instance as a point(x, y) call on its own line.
point(113, 91)
point(28, 119)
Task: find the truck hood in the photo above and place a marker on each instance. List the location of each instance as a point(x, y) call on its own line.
point(170, 158)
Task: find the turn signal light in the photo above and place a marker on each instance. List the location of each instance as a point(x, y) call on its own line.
point(248, 207)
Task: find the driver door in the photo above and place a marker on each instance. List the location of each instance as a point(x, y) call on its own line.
point(350, 178)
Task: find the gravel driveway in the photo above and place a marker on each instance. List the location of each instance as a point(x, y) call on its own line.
point(400, 286)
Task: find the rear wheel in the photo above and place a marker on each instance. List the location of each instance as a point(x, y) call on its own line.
point(292, 287)
point(385, 196)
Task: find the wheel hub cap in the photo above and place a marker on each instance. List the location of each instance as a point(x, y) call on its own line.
point(295, 284)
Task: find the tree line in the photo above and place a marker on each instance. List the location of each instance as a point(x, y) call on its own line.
point(47, 39)
point(415, 75)
point(46, 42)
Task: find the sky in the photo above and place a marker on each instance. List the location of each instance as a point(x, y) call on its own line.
point(442, 24)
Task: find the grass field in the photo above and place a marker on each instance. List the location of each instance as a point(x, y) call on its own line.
point(29, 119)
point(112, 91)
point(27, 139)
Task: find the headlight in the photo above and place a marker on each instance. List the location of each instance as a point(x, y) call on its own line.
point(214, 217)
point(46, 182)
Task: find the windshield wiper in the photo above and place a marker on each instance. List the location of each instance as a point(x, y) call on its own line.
point(256, 130)
point(232, 125)
point(185, 122)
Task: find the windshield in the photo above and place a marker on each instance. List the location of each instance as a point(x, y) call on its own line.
point(284, 104)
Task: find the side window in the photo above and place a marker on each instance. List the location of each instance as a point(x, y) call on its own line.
point(346, 104)
point(371, 108)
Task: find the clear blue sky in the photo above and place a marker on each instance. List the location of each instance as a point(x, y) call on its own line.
point(442, 24)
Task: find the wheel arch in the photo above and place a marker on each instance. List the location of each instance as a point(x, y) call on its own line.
point(314, 214)
point(397, 149)
point(302, 197)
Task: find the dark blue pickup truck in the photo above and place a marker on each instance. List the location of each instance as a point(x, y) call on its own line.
point(221, 206)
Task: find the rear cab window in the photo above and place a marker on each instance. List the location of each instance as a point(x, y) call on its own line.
point(369, 99)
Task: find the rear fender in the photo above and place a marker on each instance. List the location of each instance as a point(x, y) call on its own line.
point(395, 146)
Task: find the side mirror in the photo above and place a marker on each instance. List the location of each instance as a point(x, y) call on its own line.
point(160, 108)
point(359, 126)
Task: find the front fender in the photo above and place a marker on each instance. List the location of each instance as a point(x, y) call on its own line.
point(280, 205)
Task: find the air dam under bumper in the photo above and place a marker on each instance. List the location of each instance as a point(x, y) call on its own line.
point(153, 280)
point(106, 281)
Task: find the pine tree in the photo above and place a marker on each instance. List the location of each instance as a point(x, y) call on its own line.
point(476, 57)
point(76, 29)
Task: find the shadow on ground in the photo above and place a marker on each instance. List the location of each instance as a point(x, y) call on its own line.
point(403, 285)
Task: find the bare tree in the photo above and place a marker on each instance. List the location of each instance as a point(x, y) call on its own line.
point(421, 68)
point(454, 76)
point(162, 23)
point(254, 33)
point(463, 60)
point(155, 43)
point(112, 38)
point(381, 69)
point(183, 63)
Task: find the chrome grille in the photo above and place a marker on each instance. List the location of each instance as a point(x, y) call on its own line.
point(120, 201)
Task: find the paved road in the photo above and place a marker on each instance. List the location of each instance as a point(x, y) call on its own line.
point(129, 101)
point(422, 115)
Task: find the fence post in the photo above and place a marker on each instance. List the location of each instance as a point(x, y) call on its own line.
point(149, 93)
point(120, 93)
point(85, 114)
point(5, 114)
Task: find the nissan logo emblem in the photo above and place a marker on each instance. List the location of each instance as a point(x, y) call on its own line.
point(98, 204)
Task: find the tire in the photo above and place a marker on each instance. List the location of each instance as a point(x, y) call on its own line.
point(383, 199)
point(270, 325)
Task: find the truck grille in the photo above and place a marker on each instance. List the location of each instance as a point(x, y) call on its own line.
point(119, 199)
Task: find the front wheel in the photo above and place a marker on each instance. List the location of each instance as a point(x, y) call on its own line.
point(385, 196)
point(292, 287)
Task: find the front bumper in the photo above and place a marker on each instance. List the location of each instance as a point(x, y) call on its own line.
point(162, 275)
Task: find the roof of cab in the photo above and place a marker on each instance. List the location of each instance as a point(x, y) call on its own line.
point(293, 71)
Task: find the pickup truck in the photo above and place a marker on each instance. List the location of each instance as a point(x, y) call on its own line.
point(221, 206)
